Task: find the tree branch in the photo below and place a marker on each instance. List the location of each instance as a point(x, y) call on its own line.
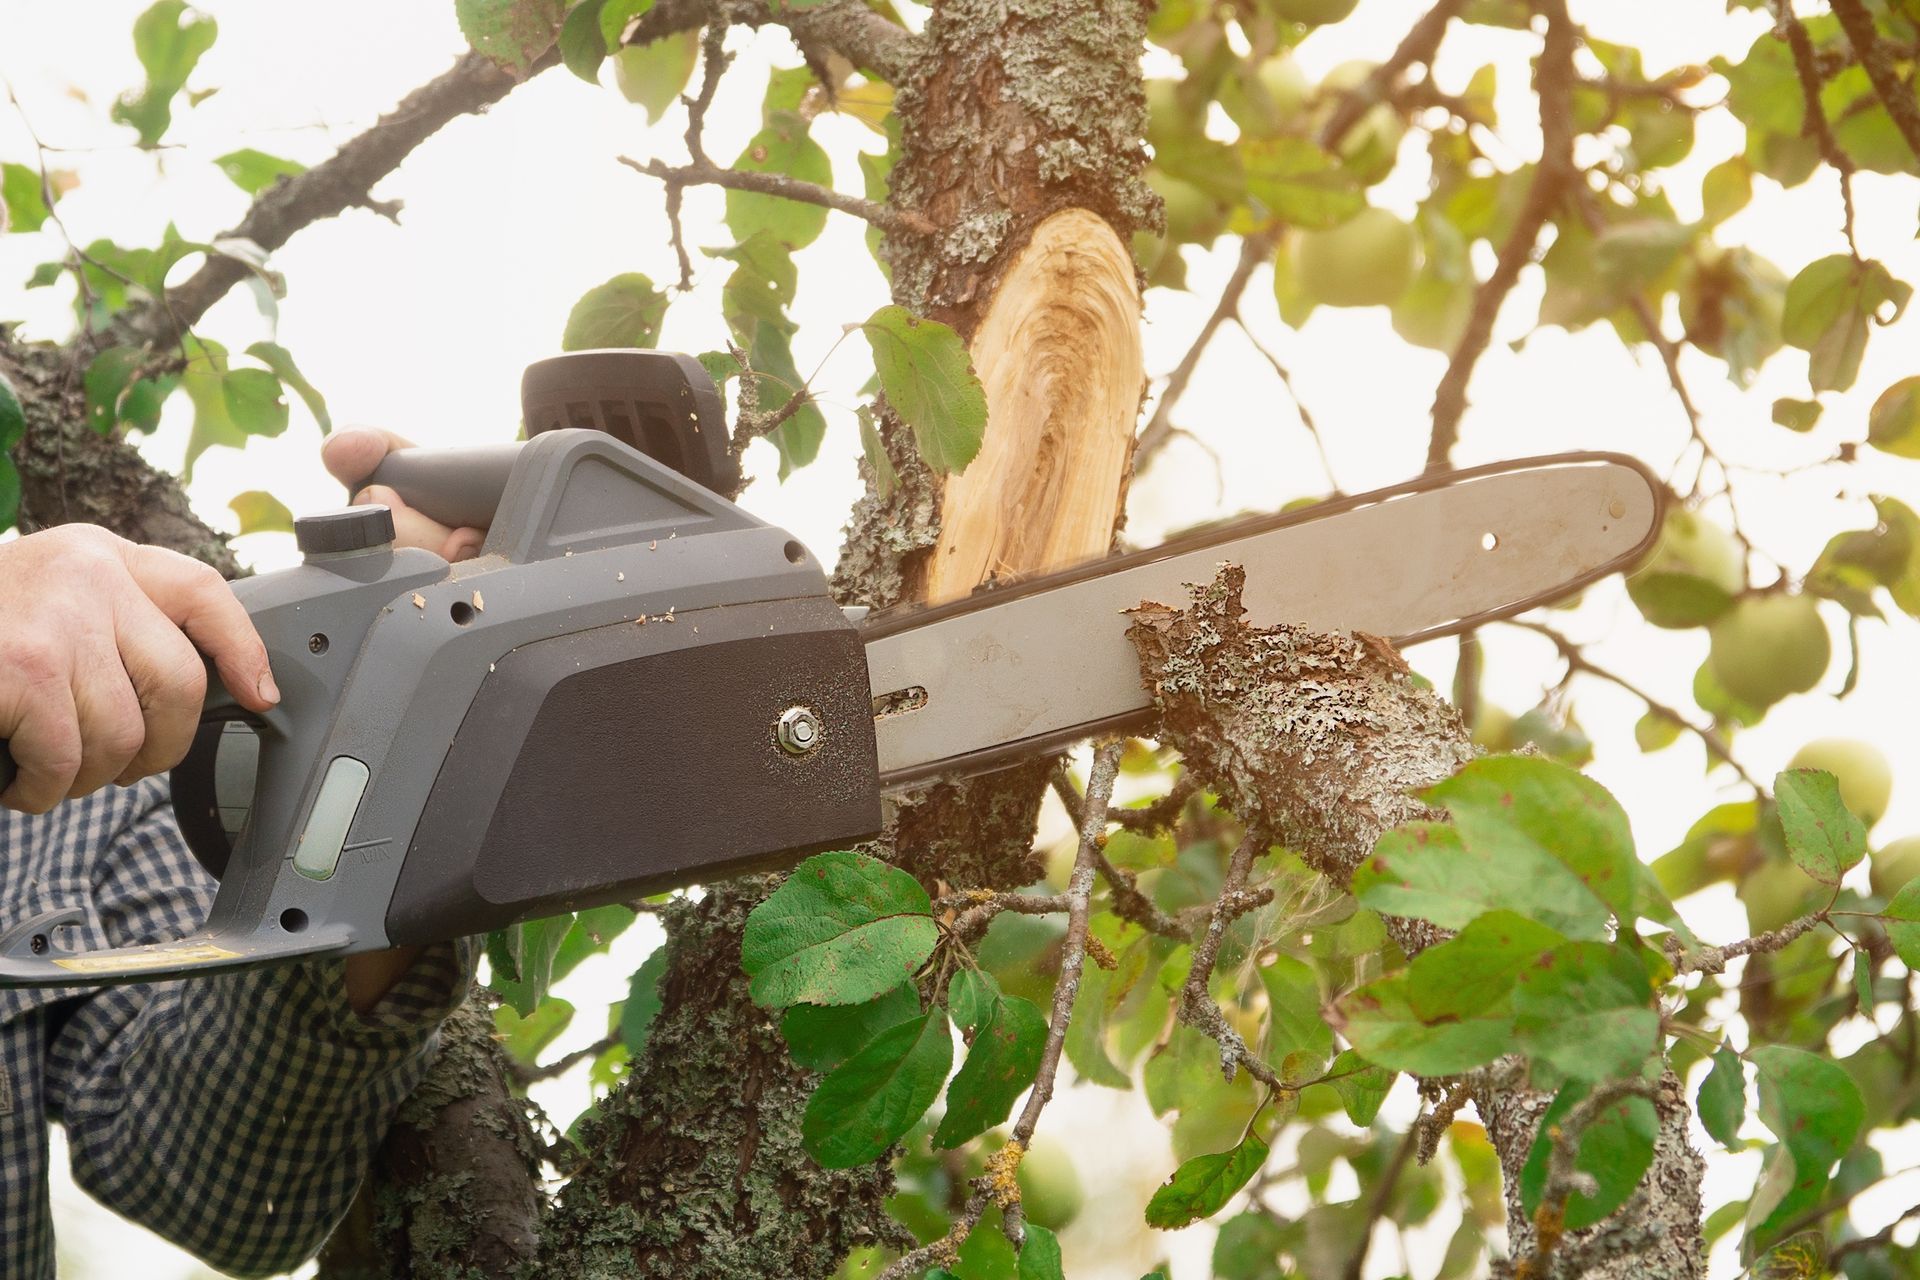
point(1815, 124)
point(847, 27)
point(1896, 97)
point(1416, 48)
point(1553, 82)
point(333, 186)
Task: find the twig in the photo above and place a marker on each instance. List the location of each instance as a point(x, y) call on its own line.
point(1896, 97)
point(1159, 429)
point(1128, 902)
point(997, 1185)
point(1553, 83)
point(866, 38)
point(1879, 1239)
point(779, 184)
point(1563, 1180)
point(1815, 124)
point(1416, 48)
point(1377, 1201)
point(1436, 1122)
point(1299, 405)
point(1198, 1008)
point(1713, 960)
point(1163, 812)
point(527, 1073)
point(1577, 660)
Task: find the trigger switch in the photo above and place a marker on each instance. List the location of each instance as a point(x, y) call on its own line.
point(348, 531)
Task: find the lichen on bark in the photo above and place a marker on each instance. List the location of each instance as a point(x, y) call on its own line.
point(693, 1168)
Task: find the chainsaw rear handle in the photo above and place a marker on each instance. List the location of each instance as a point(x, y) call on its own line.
point(662, 403)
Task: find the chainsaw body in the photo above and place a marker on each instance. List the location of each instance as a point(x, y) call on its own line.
point(591, 710)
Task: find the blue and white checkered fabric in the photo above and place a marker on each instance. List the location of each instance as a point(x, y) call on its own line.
point(234, 1114)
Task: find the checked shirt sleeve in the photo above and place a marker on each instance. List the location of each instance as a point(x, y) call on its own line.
point(236, 1115)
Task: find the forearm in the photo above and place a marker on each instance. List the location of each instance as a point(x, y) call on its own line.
point(237, 1115)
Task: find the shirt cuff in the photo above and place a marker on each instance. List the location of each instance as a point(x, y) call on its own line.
point(413, 1007)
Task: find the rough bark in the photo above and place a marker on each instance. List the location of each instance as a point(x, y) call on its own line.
point(1319, 738)
point(694, 1166)
point(69, 472)
point(456, 1191)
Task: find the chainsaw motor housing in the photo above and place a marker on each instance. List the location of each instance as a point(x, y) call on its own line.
point(598, 706)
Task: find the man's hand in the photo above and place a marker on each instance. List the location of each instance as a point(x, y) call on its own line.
point(100, 680)
point(352, 455)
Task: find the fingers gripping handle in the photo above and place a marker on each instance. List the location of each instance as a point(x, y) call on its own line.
point(459, 486)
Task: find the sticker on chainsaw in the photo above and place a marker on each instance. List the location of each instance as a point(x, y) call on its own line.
point(203, 953)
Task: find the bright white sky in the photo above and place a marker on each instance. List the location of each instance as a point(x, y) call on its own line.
point(509, 218)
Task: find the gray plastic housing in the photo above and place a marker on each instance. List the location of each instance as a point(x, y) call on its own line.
point(380, 654)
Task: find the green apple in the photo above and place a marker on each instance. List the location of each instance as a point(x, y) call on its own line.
point(1050, 1189)
point(1366, 261)
point(1370, 147)
point(1866, 779)
point(1314, 12)
point(1691, 550)
point(1893, 865)
point(1264, 100)
point(1193, 216)
point(1777, 893)
point(1769, 646)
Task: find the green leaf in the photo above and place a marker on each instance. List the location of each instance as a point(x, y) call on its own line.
point(280, 360)
point(1476, 968)
point(1828, 308)
point(929, 382)
point(530, 948)
point(254, 171)
point(23, 202)
point(1040, 1255)
point(783, 147)
point(1361, 1085)
point(254, 402)
point(1902, 918)
point(1202, 1186)
point(652, 75)
point(1893, 424)
point(1822, 836)
point(1723, 1098)
point(13, 418)
point(1522, 811)
point(626, 311)
point(868, 1102)
point(203, 377)
point(169, 39)
point(592, 934)
point(1796, 415)
point(117, 392)
point(1616, 1148)
point(971, 997)
point(616, 16)
point(1379, 1021)
point(261, 512)
point(1726, 190)
point(1426, 870)
point(1588, 1009)
point(1300, 183)
point(821, 1037)
point(1000, 1065)
point(1812, 1105)
point(1296, 1022)
point(582, 47)
point(1247, 1248)
point(642, 1004)
point(9, 493)
point(511, 32)
point(842, 929)
point(524, 1038)
point(875, 452)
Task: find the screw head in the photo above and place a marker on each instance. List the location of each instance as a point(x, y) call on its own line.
point(797, 731)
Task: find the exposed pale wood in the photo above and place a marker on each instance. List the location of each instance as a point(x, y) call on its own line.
point(1059, 355)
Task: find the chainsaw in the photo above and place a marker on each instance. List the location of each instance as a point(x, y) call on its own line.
point(638, 686)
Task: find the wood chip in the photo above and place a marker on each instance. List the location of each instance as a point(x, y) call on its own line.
point(419, 601)
point(479, 603)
